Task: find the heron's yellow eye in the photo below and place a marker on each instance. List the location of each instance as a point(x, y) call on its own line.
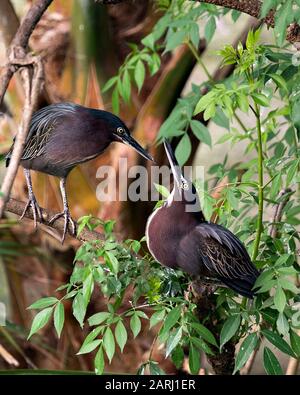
point(184, 185)
point(120, 131)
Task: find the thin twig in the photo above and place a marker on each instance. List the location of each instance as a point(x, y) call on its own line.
point(284, 197)
point(32, 91)
point(260, 186)
point(279, 211)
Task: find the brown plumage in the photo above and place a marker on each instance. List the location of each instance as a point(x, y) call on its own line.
point(183, 239)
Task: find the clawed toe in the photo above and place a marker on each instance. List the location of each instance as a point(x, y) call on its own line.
point(69, 223)
point(36, 211)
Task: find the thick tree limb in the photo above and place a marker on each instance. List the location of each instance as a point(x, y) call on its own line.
point(16, 207)
point(17, 58)
point(248, 7)
point(251, 8)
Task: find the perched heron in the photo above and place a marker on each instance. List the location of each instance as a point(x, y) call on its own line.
point(60, 137)
point(179, 237)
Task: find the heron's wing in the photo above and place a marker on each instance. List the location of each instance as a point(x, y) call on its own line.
point(42, 124)
point(214, 251)
point(223, 252)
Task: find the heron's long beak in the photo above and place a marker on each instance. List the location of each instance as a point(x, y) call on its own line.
point(176, 170)
point(129, 140)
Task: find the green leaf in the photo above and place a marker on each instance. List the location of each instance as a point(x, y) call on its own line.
point(173, 340)
point(198, 342)
point(282, 19)
point(87, 289)
point(149, 41)
point(271, 364)
point(109, 344)
point(99, 362)
point(282, 324)
point(89, 347)
point(220, 119)
point(194, 359)
point(92, 336)
point(162, 190)
point(287, 284)
point(279, 81)
point(109, 84)
point(243, 102)
point(260, 99)
point(121, 335)
point(135, 325)
point(279, 299)
point(264, 277)
point(141, 314)
point(205, 333)
point(139, 74)
point(79, 308)
point(59, 318)
point(296, 114)
point(275, 186)
point(112, 262)
point(235, 15)
point(174, 40)
point(248, 345)
point(154, 369)
point(157, 317)
point(172, 318)
point(209, 112)
point(126, 87)
point(295, 342)
point(183, 149)
point(278, 342)
point(266, 6)
point(40, 320)
point(194, 34)
point(204, 102)
point(177, 357)
point(43, 302)
point(210, 29)
point(201, 132)
point(229, 329)
point(98, 318)
point(292, 171)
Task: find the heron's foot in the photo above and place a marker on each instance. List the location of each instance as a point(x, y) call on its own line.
point(36, 211)
point(68, 226)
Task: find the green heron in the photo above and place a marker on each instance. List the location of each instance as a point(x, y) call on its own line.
point(178, 237)
point(61, 136)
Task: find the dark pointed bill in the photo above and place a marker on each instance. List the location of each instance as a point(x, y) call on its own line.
point(173, 163)
point(134, 144)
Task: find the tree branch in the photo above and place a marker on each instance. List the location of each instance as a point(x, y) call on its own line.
point(251, 8)
point(17, 58)
point(16, 207)
point(20, 42)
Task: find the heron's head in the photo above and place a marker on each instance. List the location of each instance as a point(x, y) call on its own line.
point(184, 190)
point(121, 134)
